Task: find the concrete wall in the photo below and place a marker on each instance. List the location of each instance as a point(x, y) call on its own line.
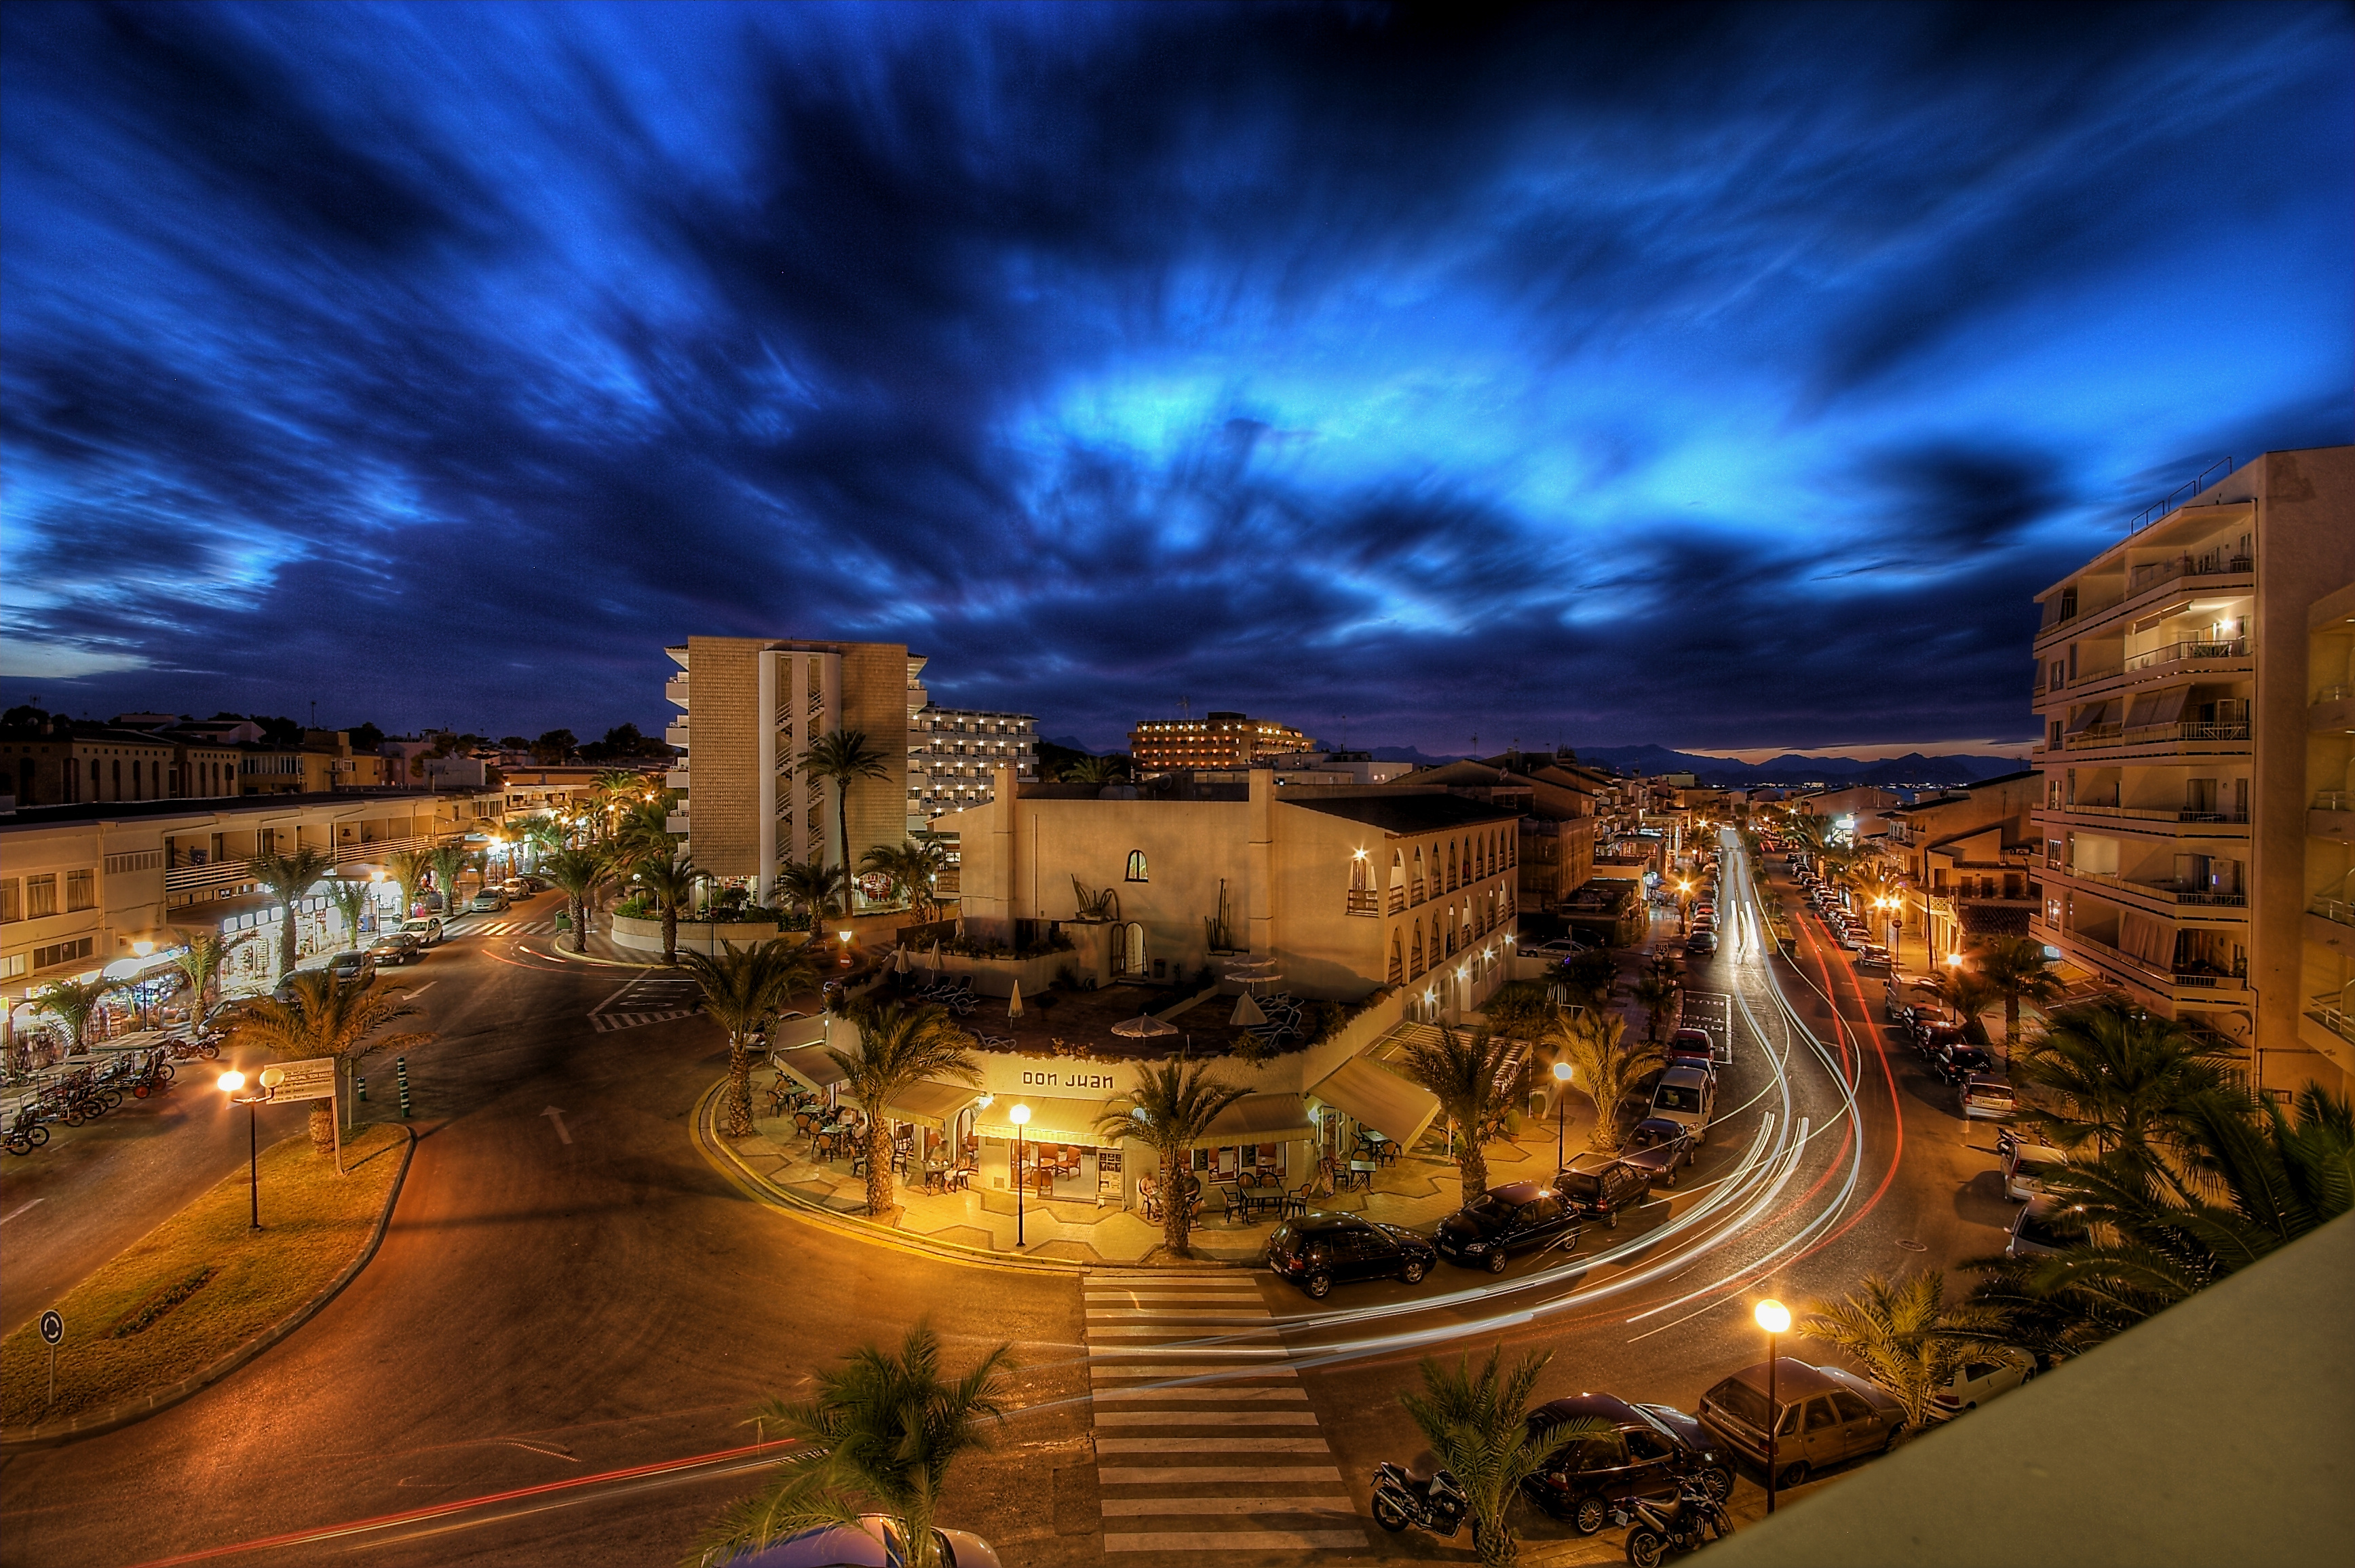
point(723, 677)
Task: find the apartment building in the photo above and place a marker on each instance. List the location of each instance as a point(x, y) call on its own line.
point(953, 754)
point(2183, 736)
point(1560, 805)
point(1969, 859)
point(81, 885)
point(2327, 946)
point(1213, 741)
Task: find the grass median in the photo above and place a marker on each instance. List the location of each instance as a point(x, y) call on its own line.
point(202, 1283)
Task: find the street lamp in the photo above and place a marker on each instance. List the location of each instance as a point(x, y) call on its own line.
point(846, 947)
point(1562, 1077)
point(1020, 1116)
point(266, 1085)
point(1775, 1318)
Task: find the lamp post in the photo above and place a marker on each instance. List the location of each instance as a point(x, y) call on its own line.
point(230, 1083)
point(1020, 1116)
point(1775, 1318)
point(1561, 1073)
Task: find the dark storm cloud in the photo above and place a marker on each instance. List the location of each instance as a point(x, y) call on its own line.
point(1718, 375)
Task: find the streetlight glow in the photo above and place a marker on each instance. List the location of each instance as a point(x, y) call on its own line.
point(229, 1083)
point(1773, 1315)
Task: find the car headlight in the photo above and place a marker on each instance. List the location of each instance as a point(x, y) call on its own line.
point(1476, 1246)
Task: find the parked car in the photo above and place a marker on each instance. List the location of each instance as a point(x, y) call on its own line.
point(1688, 1039)
point(2025, 1164)
point(352, 964)
point(1517, 1216)
point(426, 928)
point(1980, 1379)
point(1651, 1450)
point(1687, 1095)
point(1320, 1250)
point(1602, 1187)
point(1873, 955)
point(876, 1541)
point(1701, 943)
point(1656, 1146)
point(1934, 1037)
point(1987, 1099)
point(1559, 947)
point(2044, 1227)
point(490, 900)
point(1822, 1415)
point(532, 886)
point(1956, 1061)
point(395, 947)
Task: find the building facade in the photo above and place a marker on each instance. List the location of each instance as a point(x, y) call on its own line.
point(2326, 949)
point(2181, 734)
point(955, 753)
point(1970, 858)
point(1213, 741)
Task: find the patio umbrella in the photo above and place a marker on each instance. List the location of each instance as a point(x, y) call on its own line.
point(1014, 1002)
point(1246, 1013)
point(1145, 1026)
point(900, 964)
point(933, 962)
point(960, 931)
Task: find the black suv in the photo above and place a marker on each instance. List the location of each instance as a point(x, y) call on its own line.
point(1957, 1062)
point(1649, 1449)
point(1320, 1251)
point(1597, 1187)
point(1504, 1220)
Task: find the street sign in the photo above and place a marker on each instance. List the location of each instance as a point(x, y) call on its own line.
point(313, 1078)
point(53, 1327)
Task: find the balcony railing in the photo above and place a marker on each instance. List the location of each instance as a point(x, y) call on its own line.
point(1364, 900)
point(1398, 899)
point(2332, 800)
point(2189, 979)
point(2336, 910)
point(2330, 1010)
point(2215, 563)
point(2152, 735)
point(2189, 648)
point(233, 871)
point(2153, 813)
point(2173, 893)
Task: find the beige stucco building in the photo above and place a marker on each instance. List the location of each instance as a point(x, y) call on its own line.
point(2186, 725)
point(1969, 858)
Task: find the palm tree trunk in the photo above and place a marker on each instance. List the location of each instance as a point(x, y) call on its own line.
point(1471, 1165)
point(286, 938)
point(879, 1165)
point(739, 1089)
point(323, 1127)
point(1175, 1216)
point(580, 925)
point(841, 814)
point(670, 931)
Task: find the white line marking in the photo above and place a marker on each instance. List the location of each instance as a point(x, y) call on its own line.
point(1181, 1475)
point(553, 1115)
point(1226, 1445)
point(1235, 1541)
point(1206, 1418)
point(1137, 1508)
point(1203, 1395)
point(17, 1210)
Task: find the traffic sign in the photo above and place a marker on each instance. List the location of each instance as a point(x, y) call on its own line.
point(53, 1327)
point(313, 1078)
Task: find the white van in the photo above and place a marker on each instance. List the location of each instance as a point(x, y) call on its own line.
point(1687, 1096)
point(2025, 1166)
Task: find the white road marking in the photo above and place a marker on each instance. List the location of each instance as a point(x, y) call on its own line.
point(17, 1210)
point(553, 1115)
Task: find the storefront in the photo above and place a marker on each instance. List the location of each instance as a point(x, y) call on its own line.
point(1059, 1148)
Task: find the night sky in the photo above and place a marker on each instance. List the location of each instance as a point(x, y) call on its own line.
point(1712, 378)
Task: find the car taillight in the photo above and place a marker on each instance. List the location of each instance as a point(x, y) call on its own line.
point(1945, 1402)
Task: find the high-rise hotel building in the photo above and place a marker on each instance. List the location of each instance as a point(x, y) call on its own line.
point(1213, 741)
point(2193, 688)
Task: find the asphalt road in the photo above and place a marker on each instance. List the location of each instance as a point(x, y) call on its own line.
point(573, 1316)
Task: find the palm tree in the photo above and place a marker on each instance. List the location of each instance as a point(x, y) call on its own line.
point(1908, 1340)
point(1656, 988)
point(1169, 1111)
point(1591, 977)
point(326, 1017)
point(844, 757)
point(580, 875)
point(408, 867)
point(883, 1431)
point(743, 987)
point(201, 955)
point(350, 897)
point(546, 835)
point(2016, 969)
point(1097, 770)
point(447, 860)
point(1478, 1429)
point(1603, 1064)
point(71, 1003)
point(1967, 997)
point(643, 834)
point(814, 887)
point(671, 883)
point(287, 878)
point(1461, 1069)
point(912, 868)
point(2116, 1077)
point(898, 1049)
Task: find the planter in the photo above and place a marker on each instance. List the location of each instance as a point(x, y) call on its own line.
point(704, 937)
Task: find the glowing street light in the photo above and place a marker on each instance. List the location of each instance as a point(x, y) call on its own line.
point(1561, 1073)
point(1775, 1318)
point(1020, 1116)
point(230, 1083)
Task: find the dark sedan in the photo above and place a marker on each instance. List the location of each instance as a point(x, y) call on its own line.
point(1656, 1146)
point(1485, 1232)
point(1957, 1062)
point(1640, 1451)
point(1320, 1250)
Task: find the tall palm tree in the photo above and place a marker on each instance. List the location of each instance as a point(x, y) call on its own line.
point(814, 887)
point(203, 953)
point(447, 860)
point(582, 876)
point(912, 868)
point(844, 758)
point(1591, 977)
point(350, 897)
point(1904, 1335)
point(1097, 770)
point(71, 1003)
point(1477, 1425)
point(880, 1435)
point(287, 878)
point(1603, 1064)
point(1656, 989)
point(1169, 1111)
point(743, 988)
point(545, 834)
point(642, 833)
point(326, 1017)
point(2110, 1076)
point(671, 883)
point(1462, 1070)
point(408, 867)
point(898, 1049)
point(1968, 996)
point(2016, 969)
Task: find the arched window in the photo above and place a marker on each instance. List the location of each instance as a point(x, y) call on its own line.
point(1398, 881)
point(1397, 960)
point(1361, 875)
point(1136, 866)
point(1418, 894)
point(1451, 938)
point(1128, 949)
point(1415, 953)
point(1451, 865)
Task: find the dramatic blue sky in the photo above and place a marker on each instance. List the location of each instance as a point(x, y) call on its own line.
point(1714, 378)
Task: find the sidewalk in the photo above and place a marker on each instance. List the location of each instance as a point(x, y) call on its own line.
point(599, 949)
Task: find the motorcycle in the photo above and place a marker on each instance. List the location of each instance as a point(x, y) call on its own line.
point(1437, 1504)
point(1688, 1524)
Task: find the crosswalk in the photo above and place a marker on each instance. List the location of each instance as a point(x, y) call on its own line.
point(1205, 1441)
point(499, 928)
point(606, 1023)
point(650, 999)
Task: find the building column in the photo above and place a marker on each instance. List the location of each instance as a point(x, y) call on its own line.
point(1259, 856)
point(765, 773)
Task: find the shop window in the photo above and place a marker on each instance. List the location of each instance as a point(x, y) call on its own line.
point(1136, 866)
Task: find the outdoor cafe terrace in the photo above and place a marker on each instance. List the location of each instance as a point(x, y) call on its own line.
point(1081, 1023)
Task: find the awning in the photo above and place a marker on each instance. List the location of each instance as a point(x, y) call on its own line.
point(810, 1067)
point(1381, 1099)
point(930, 1104)
point(2168, 706)
point(2095, 713)
point(2141, 713)
point(1262, 1119)
point(1052, 1120)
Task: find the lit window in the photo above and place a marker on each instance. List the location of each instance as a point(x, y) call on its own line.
point(1137, 866)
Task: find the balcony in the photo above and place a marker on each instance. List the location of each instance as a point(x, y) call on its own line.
point(675, 778)
point(1364, 900)
point(2167, 898)
point(2338, 912)
point(230, 871)
point(676, 690)
point(676, 734)
point(2205, 573)
point(2332, 712)
point(675, 823)
point(2189, 651)
point(2330, 1010)
point(2213, 737)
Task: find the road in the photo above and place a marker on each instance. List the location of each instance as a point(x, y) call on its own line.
point(574, 1332)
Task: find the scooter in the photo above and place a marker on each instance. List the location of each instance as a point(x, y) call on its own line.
point(1690, 1522)
point(1437, 1504)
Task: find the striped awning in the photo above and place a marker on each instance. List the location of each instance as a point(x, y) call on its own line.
point(1381, 1099)
point(1262, 1119)
point(1052, 1120)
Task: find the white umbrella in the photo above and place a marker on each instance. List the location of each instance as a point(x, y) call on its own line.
point(1246, 1013)
point(960, 930)
point(1014, 1002)
point(1145, 1026)
point(899, 963)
